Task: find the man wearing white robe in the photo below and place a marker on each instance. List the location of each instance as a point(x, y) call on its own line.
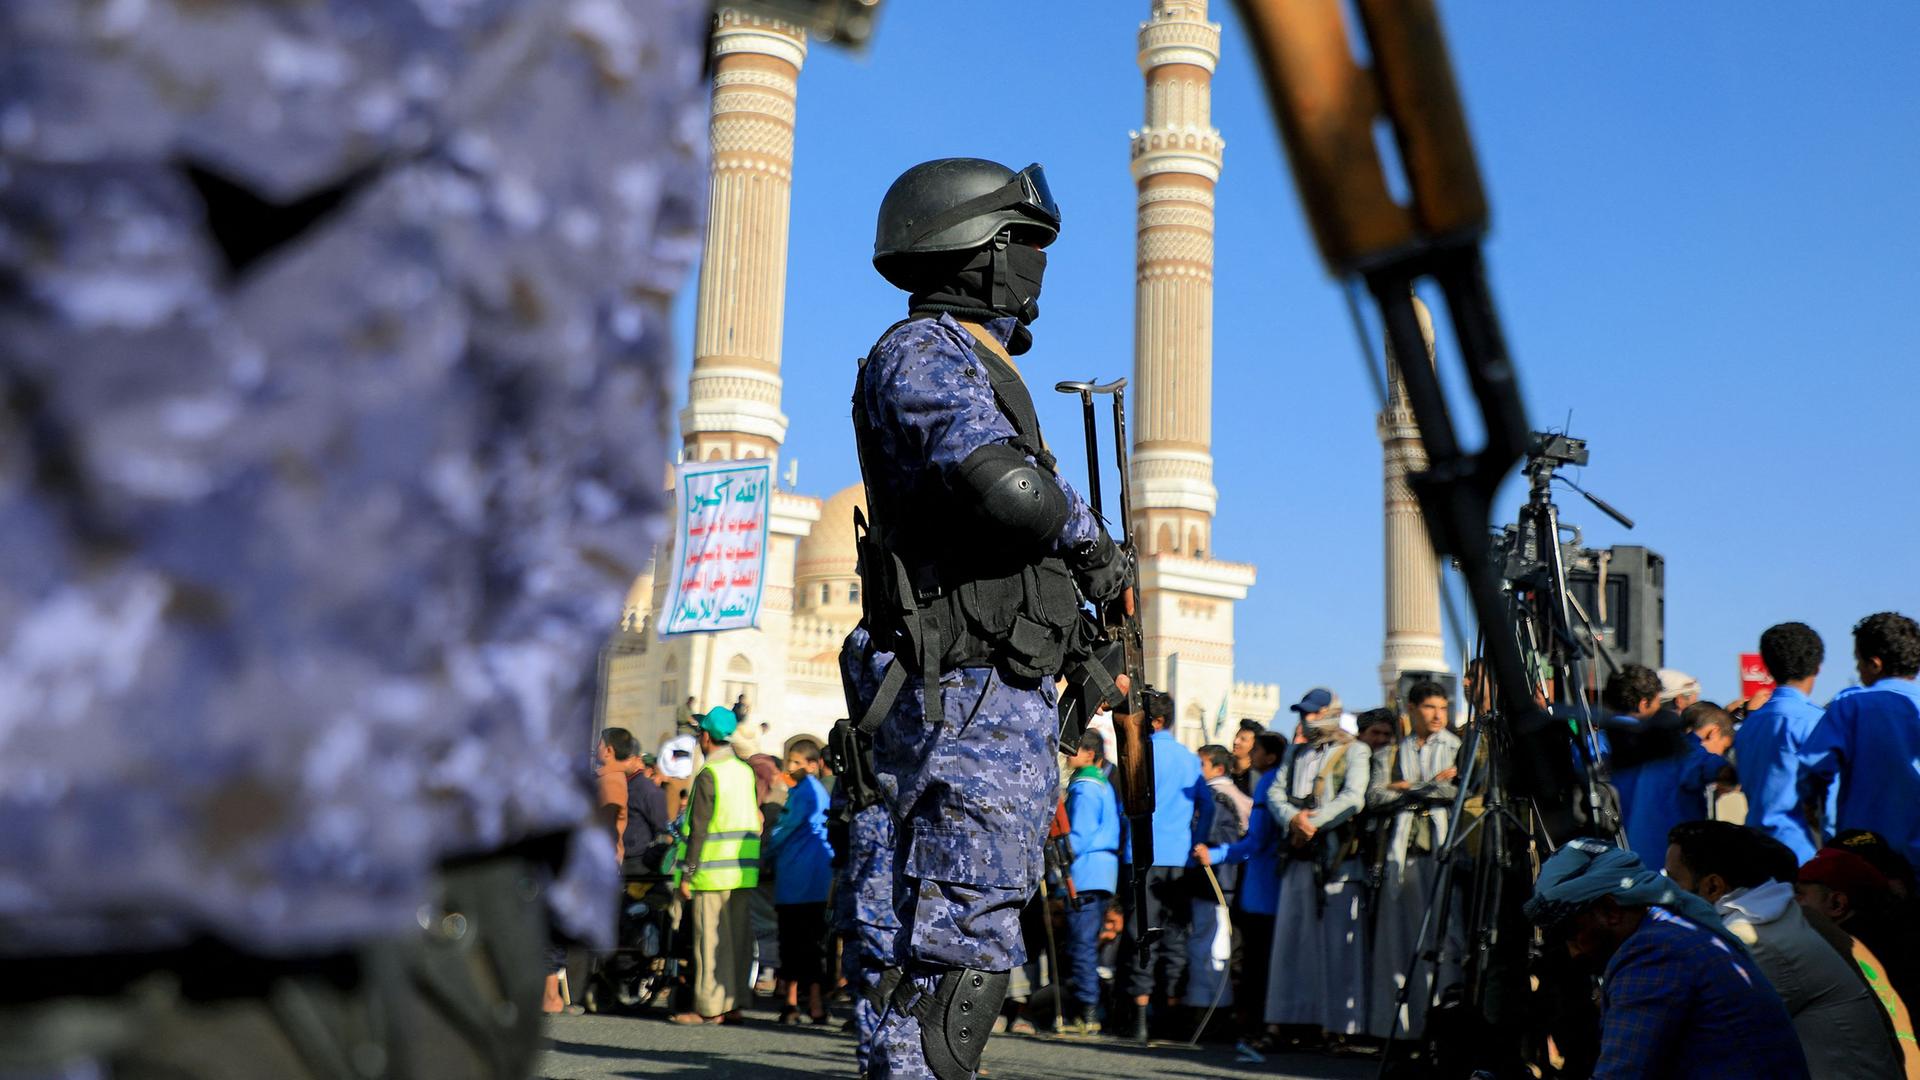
point(1415, 781)
point(1318, 973)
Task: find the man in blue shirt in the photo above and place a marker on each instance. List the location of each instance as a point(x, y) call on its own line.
point(1093, 820)
point(1177, 792)
point(802, 876)
point(1636, 728)
point(1871, 739)
point(1258, 896)
point(1769, 747)
point(1672, 788)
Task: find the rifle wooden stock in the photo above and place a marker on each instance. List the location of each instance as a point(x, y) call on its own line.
point(1134, 771)
point(1328, 104)
point(1059, 851)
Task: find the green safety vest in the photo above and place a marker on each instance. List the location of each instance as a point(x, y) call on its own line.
point(730, 856)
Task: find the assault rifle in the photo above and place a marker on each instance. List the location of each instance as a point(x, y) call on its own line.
point(1333, 101)
point(1119, 630)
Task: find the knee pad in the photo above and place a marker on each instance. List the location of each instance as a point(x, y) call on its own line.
point(956, 1018)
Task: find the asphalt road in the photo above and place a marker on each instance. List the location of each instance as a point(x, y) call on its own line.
point(605, 1048)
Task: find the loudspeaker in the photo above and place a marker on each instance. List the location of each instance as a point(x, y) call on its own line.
point(1623, 589)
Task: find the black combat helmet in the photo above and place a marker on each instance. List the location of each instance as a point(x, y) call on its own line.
point(959, 204)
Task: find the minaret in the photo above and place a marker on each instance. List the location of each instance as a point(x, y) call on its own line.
point(1187, 602)
point(1176, 162)
point(733, 400)
point(733, 404)
point(1413, 571)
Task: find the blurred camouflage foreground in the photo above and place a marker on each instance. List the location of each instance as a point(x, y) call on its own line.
point(333, 386)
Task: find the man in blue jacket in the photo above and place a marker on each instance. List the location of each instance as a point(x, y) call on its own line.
point(1258, 896)
point(1177, 793)
point(802, 876)
point(1870, 739)
point(1668, 790)
point(1093, 819)
point(1767, 749)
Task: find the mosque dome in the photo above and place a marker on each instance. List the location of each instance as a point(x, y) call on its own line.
point(825, 579)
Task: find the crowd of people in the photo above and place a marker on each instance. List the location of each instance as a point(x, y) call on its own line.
point(1298, 882)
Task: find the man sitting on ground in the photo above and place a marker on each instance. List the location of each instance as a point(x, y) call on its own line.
point(1848, 890)
point(1841, 1025)
point(1680, 997)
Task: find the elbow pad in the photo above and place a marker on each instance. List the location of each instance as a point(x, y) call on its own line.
point(1013, 494)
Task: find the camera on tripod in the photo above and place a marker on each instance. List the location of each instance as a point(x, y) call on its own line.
point(1555, 449)
point(1617, 595)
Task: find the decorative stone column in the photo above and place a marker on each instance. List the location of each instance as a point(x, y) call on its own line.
point(1413, 639)
point(1187, 596)
point(1176, 162)
point(733, 403)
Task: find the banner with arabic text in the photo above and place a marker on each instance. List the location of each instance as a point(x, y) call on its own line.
point(720, 546)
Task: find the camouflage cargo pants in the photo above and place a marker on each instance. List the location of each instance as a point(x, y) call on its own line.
point(972, 801)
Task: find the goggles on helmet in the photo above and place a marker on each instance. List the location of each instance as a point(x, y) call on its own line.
point(1035, 196)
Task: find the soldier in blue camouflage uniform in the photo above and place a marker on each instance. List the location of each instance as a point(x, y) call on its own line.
point(870, 872)
point(975, 564)
point(333, 355)
point(865, 887)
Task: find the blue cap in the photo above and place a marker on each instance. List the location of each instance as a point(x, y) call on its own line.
point(1317, 698)
point(719, 723)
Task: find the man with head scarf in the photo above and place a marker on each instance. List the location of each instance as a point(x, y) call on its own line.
point(1680, 996)
point(1317, 978)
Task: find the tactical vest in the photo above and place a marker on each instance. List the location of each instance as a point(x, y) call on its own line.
point(730, 852)
point(936, 590)
point(1336, 843)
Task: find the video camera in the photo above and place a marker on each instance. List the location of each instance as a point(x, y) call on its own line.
point(1615, 594)
point(1555, 449)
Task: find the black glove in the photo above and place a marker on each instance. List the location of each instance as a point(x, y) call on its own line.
point(1100, 569)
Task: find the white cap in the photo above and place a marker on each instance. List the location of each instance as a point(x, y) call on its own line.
point(1675, 683)
point(676, 757)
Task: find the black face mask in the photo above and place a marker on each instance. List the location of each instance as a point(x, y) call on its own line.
point(1018, 272)
point(995, 283)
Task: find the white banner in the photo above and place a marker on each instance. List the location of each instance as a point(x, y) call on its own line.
point(720, 546)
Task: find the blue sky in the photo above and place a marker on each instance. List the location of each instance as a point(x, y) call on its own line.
point(1704, 247)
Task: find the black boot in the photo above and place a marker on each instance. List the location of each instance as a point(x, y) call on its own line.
point(1089, 1020)
point(1139, 1034)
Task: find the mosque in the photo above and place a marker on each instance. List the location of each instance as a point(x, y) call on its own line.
point(786, 668)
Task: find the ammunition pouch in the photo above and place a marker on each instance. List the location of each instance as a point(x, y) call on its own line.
point(1090, 684)
point(879, 995)
point(850, 755)
point(1422, 837)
